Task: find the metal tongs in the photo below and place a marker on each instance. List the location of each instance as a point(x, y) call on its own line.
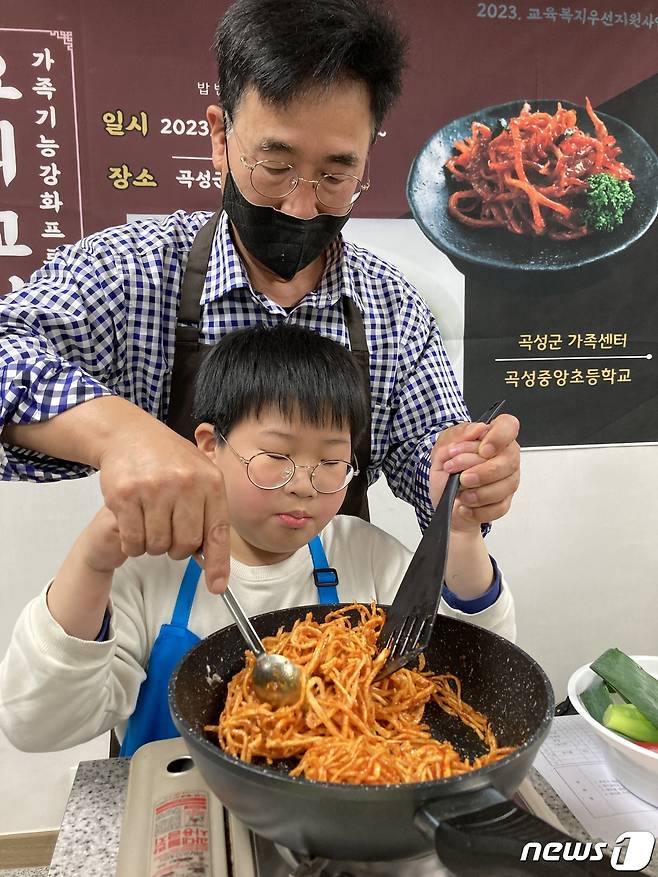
point(410, 620)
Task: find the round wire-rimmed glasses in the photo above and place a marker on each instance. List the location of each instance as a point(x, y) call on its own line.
point(270, 471)
point(278, 179)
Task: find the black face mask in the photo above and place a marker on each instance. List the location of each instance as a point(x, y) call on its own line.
point(285, 244)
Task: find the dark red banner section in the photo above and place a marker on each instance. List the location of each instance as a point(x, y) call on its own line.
point(39, 147)
point(123, 90)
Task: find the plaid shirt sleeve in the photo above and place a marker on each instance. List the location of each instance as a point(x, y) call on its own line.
point(426, 400)
point(56, 336)
point(96, 320)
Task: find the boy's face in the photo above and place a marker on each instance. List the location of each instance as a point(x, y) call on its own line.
point(268, 526)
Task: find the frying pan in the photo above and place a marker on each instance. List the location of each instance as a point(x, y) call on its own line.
point(468, 819)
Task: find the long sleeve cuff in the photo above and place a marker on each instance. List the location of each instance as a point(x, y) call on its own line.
point(422, 502)
point(105, 627)
point(38, 389)
point(478, 604)
point(498, 617)
point(58, 647)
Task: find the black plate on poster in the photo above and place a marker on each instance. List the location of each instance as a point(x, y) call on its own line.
point(429, 186)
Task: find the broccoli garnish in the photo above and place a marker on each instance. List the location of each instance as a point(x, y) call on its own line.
point(608, 199)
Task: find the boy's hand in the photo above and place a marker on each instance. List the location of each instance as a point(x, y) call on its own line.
point(460, 522)
point(99, 544)
point(78, 596)
point(489, 458)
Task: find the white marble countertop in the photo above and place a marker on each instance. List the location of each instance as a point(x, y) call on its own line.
point(25, 872)
point(88, 842)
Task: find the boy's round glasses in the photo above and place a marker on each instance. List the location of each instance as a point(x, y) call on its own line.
point(277, 179)
point(271, 471)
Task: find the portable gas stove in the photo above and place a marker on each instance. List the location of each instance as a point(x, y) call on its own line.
point(254, 856)
point(173, 826)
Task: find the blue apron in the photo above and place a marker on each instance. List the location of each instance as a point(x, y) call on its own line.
point(151, 719)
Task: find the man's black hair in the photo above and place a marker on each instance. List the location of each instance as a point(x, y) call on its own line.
point(284, 48)
point(293, 370)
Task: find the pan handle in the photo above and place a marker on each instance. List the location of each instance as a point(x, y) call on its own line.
point(481, 832)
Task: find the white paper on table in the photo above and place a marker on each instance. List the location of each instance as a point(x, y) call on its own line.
point(571, 760)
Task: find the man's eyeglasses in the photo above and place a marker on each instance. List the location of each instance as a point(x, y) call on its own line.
point(277, 179)
point(271, 471)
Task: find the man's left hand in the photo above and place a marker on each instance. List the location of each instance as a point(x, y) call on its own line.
point(488, 456)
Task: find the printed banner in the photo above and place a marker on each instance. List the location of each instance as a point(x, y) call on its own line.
point(103, 115)
point(574, 352)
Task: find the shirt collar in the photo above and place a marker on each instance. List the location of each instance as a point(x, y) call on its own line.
point(337, 279)
point(227, 272)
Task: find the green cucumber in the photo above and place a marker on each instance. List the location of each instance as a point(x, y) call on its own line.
point(596, 699)
point(626, 719)
point(630, 680)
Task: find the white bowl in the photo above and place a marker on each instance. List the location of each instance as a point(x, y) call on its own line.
point(635, 768)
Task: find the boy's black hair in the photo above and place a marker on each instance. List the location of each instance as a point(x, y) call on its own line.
point(296, 371)
point(283, 48)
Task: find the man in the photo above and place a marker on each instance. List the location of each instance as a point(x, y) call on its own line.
point(93, 357)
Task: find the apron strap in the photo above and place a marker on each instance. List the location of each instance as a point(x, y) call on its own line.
point(189, 352)
point(355, 328)
point(189, 312)
point(356, 501)
point(181, 614)
point(325, 576)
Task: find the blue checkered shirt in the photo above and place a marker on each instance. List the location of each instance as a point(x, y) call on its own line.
point(100, 319)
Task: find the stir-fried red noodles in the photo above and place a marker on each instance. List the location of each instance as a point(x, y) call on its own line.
point(347, 728)
point(531, 177)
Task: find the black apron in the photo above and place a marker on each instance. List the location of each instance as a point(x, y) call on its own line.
point(190, 353)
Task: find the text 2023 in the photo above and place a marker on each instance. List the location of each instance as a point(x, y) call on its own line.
point(187, 126)
point(497, 10)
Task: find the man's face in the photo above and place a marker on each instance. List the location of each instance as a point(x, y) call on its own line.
point(321, 132)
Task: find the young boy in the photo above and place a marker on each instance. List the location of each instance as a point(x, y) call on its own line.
point(280, 410)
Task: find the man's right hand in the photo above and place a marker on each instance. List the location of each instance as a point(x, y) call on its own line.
point(166, 495)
